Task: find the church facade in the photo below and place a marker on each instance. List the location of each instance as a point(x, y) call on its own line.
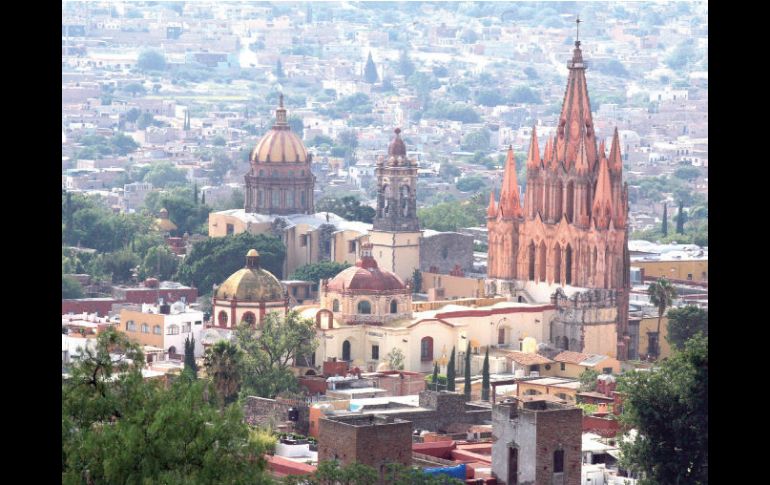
point(571, 230)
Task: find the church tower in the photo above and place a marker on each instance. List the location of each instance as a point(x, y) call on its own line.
point(571, 230)
point(395, 236)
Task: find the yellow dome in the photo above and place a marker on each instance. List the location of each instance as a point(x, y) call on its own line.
point(251, 284)
point(279, 145)
point(163, 223)
point(252, 252)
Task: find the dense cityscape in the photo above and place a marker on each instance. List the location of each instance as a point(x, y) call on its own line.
point(359, 242)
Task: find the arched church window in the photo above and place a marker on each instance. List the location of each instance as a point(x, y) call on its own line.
point(260, 198)
point(346, 350)
point(404, 200)
point(364, 307)
point(222, 318)
point(568, 264)
point(426, 349)
point(532, 261)
point(393, 306)
point(557, 264)
point(289, 198)
point(570, 200)
point(276, 196)
point(336, 305)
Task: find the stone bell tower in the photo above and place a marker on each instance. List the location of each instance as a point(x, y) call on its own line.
point(396, 234)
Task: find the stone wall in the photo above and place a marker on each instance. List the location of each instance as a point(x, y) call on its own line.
point(271, 413)
point(444, 250)
point(369, 440)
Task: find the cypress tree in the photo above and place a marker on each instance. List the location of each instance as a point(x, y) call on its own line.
point(450, 372)
point(370, 71)
point(195, 193)
point(680, 219)
point(189, 357)
point(485, 378)
point(203, 198)
point(664, 229)
point(435, 375)
point(467, 390)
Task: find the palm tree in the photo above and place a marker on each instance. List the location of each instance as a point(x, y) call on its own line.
point(221, 362)
point(662, 295)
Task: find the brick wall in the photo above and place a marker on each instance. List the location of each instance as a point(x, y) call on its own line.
point(367, 440)
point(101, 307)
point(559, 429)
point(444, 251)
point(260, 411)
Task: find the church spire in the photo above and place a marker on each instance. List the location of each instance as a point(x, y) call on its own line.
point(509, 195)
point(581, 163)
point(281, 122)
point(575, 121)
point(492, 209)
point(602, 207)
point(616, 161)
point(533, 157)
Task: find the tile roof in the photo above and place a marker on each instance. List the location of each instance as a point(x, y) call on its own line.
point(571, 357)
point(527, 359)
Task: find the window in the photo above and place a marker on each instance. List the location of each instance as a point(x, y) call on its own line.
point(230, 229)
point(290, 198)
point(294, 291)
point(130, 326)
point(276, 198)
point(249, 318)
point(222, 317)
point(393, 306)
point(689, 276)
point(534, 368)
point(563, 366)
point(607, 370)
point(260, 198)
point(302, 198)
point(558, 461)
point(375, 352)
point(336, 306)
point(501, 335)
point(186, 327)
point(156, 330)
point(145, 328)
point(173, 330)
point(346, 350)
point(351, 246)
point(261, 173)
point(303, 240)
point(426, 349)
point(364, 307)
point(198, 322)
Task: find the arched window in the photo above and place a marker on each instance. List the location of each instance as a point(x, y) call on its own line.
point(547, 209)
point(302, 198)
point(558, 461)
point(501, 335)
point(172, 351)
point(336, 305)
point(364, 307)
point(426, 349)
point(156, 330)
point(570, 200)
point(222, 317)
point(607, 267)
point(565, 343)
point(557, 264)
point(276, 198)
point(249, 318)
point(173, 330)
point(131, 326)
point(404, 200)
point(559, 204)
point(145, 328)
point(393, 306)
point(568, 264)
point(290, 198)
point(532, 261)
point(260, 198)
point(543, 260)
point(346, 350)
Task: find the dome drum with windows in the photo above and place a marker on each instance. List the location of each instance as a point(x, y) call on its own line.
point(248, 294)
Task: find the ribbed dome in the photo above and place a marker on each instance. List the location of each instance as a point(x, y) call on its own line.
point(251, 283)
point(366, 276)
point(280, 144)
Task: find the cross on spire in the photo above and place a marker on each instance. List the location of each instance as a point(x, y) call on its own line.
point(577, 36)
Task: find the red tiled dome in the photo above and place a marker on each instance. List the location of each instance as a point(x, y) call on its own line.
point(365, 275)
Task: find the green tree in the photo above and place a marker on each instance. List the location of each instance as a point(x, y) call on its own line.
point(189, 357)
point(370, 71)
point(296, 124)
point(134, 89)
point(470, 184)
point(485, 378)
point(219, 141)
point(686, 322)
point(348, 207)
point(588, 380)
point(396, 359)
point(687, 173)
point(70, 288)
point(524, 95)
point(222, 362)
point(416, 281)
point(680, 219)
point(664, 227)
point(317, 271)
point(188, 217)
point(132, 115)
point(434, 377)
point(467, 387)
point(213, 260)
point(450, 372)
point(405, 65)
point(164, 173)
point(121, 265)
point(151, 61)
point(269, 352)
point(662, 295)
point(476, 140)
point(159, 262)
point(669, 410)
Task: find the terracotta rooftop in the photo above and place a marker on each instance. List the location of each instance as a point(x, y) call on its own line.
point(527, 359)
point(579, 358)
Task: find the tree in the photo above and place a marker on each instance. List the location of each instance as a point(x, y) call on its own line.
point(434, 380)
point(662, 294)
point(279, 70)
point(195, 193)
point(134, 89)
point(159, 262)
point(121, 265)
point(470, 184)
point(405, 65)
point(476, 140)
point(416, 281)
point(370, 71)
point(213, 260)
point(348, 207)
point(680, 217)
point(317, 271)
point(531, 72)
point(296, 124)
point(165, 173)
point(687, 173)
point(151, 61)
point(222, 362)
point(524, 94)
point(588, 380)
point(450, 372)
point(664, 227)
point(189, 357)
point(467, 387)
point(70, 288)
point(395, 359)
point(669, 410)
point(485, 377)
point(269, 352)
point(219, 141)
point(686, 322)
point(187, 216)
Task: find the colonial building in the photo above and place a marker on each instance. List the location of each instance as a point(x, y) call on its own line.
point(248, 295)
point(571, 231)
point(280, 180)
point(396, 234)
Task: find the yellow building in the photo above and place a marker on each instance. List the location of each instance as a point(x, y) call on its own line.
point(560, 387)
point(572, 364)
point(164, 327)
point(452, 286)
point(675, 269)
point(648, 328)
